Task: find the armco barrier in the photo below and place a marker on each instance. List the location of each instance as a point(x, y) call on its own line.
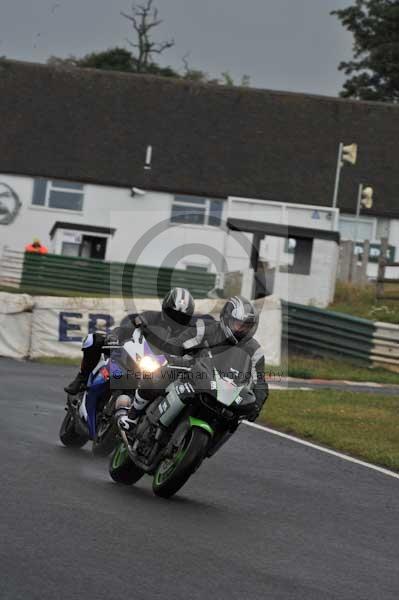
point(324, 332)
point(52, 272)
point(56, 326)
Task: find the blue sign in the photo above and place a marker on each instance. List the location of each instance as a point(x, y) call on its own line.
point(66, 328)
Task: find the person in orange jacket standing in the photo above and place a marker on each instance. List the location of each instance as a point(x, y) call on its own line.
point(36, 247)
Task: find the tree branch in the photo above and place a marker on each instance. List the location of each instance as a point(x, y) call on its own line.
point(144, 18)
point(161, 47)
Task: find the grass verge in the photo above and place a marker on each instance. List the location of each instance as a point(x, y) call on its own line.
point(362, 425)
point(306, 367)
point(359, 301)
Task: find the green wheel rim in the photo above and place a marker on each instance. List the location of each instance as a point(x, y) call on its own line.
point(168, 466)
point(119, 456)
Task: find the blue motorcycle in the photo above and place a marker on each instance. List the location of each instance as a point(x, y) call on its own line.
point(90, 414)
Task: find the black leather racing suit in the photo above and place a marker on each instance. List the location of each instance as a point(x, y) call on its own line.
point(215, 338)
point(209, 333)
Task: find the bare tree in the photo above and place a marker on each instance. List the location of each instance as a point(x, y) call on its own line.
point(143, 18)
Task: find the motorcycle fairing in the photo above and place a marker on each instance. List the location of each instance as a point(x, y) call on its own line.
point(106, 369)
point(227, 391)
point(97, 387)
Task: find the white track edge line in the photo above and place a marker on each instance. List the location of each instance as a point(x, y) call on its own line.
point(326, 450)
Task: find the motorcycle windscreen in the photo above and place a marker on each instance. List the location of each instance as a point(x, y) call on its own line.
point(223, 374)
point(232, 363)
point(140, 346)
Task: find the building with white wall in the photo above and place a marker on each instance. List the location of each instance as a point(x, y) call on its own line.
point(75, 143)
point(178, 231)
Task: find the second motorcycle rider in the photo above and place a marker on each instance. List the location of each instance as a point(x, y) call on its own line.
point(237, 325)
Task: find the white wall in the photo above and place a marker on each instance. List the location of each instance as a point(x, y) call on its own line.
point(147, 225)
point(110, 207)
point(29, 222)
point(317, 288)
point(299, 215)
point(36, 221)
point(143, 221)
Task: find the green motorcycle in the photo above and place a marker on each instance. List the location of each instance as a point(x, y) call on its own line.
point(194, 417)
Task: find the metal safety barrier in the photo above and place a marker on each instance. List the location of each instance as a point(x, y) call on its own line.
point(57, 274)
point(327, 333)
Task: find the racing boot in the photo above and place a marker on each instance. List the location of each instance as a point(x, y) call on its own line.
point(77, 385)
point(138, 407)
point(128, 414)
point(121, 414)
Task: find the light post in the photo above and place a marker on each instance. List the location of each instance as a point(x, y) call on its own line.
point(365, 199)
point(345, 154)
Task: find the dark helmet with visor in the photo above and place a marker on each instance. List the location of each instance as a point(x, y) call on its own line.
point(238, 319)
point(178, 305)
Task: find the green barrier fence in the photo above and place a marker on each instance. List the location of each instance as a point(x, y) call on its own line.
point(57, 274)
point(322, 332)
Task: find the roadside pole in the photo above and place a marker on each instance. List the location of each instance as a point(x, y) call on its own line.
point(338, 174)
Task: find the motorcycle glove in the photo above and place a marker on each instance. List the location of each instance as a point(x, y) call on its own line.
point(141, 321)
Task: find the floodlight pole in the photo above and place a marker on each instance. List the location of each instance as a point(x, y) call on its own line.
point(222, 274)
point(359, 201)
point(338, 174)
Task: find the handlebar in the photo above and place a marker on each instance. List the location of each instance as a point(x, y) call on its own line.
point(180, 361)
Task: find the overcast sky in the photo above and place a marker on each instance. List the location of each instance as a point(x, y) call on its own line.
point(290, 45)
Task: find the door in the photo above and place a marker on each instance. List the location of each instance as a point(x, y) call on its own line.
point(93, 247)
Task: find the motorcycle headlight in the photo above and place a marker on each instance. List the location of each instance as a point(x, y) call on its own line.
point(148, 364)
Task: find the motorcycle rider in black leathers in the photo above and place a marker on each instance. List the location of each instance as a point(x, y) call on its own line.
point(237, 325)
point(175, 316)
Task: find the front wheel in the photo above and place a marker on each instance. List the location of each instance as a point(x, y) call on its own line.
point(121, 467)
point(68, 434)
point(173, 472)
point(106, 438)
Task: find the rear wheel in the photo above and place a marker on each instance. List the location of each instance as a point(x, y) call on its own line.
point(122, 469)
point(68, 434)
point(173, 472)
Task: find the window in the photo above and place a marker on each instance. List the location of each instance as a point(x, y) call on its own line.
point(197, 268)
point(363, 230)
point(70, 249)
point(383, 227)
point(300, 256)
point(195, 210)
point(64, 195)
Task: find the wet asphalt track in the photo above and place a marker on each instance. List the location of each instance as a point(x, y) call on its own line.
point(265, 518)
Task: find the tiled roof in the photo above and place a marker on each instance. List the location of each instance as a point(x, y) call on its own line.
point(95, 126)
